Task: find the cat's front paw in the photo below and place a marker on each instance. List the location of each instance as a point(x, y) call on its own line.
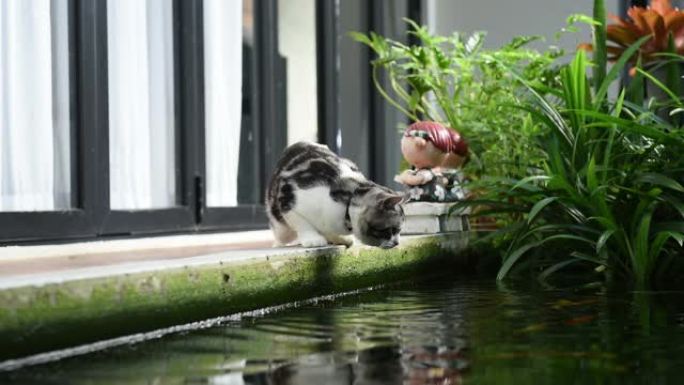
point(341, 240)
point(313, 241)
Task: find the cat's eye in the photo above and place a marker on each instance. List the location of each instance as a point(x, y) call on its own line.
point(384, 233)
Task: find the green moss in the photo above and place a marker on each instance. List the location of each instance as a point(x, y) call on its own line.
point(38, 319)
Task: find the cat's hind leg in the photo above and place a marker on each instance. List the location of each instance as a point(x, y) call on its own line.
point(282, 233)
point(307, 234)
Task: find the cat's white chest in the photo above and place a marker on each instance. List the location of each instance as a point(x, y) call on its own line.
point(326, 215)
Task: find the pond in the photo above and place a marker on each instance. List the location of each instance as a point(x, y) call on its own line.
point(443, 331)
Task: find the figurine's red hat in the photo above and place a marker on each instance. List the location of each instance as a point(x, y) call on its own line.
point(459, 146)
point(435, 132)
point(445, 139)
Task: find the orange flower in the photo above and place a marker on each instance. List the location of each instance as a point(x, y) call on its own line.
point(659, 20)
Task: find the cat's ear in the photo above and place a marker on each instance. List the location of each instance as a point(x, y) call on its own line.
point(393, 200)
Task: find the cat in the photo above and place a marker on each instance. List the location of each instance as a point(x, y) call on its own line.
point(319, 198)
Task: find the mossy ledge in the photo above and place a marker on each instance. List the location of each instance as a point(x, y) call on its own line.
point(36, 319)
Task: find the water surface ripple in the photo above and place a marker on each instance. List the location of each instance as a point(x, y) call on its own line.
point(439, 332)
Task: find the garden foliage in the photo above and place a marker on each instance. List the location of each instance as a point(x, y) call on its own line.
point(458, 82)
point(588, 183)
point(609, 196)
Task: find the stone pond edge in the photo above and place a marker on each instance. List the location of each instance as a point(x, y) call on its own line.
point(40, 318)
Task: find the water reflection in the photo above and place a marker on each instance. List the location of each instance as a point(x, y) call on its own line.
point(380, 365)
point(435, 333)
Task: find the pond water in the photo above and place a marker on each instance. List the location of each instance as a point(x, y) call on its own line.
point(446, 331)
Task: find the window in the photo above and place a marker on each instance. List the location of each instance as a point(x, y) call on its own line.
point(223, 99)
point(136, 116)
point(354, 120)
point(297, 44)
point(35, 148)
point(141, 104)
point(236, 180)
point(126, 117)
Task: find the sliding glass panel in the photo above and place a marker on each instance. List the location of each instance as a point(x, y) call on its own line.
point(35, 160)
point(297, 44)
point(250, 154)
point(228, 77)
point(141, 104)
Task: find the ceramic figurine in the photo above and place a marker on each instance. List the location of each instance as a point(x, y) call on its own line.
point(450, 168)
point(424, 146)
point(435, 154)
point(457, 154)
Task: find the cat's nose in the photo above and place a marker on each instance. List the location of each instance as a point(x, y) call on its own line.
point(389, 244)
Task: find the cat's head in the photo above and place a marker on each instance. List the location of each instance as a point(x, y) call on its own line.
point(377, 219)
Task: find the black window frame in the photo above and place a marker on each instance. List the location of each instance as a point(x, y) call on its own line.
point(78, 221)
point(157, 220)
point(370, 134)
point(91, 216)
point(268, 118)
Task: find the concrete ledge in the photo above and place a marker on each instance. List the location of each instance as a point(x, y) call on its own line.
point(49, 311)
point(19, 260)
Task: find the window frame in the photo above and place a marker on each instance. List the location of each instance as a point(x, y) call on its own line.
point(158, 220)
point(91, 216)
point(268, 120)
point(77, 221)
point(369, 136)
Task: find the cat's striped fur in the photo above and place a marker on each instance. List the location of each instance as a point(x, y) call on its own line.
point(319, 198)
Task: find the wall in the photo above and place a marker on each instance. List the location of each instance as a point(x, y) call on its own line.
point(503, 19)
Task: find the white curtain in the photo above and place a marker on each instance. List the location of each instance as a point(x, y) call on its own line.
point(141, 104)
point(223, 98)
point(34, 105)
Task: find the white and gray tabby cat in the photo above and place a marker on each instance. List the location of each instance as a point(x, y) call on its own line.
point(320, 198)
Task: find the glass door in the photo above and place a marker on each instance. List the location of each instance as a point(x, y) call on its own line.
point(38, 122)
point(124, 117)
point(145, 179)
point(245, 121)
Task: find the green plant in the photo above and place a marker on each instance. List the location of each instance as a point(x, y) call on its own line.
point(609, 197)
point(456, 81)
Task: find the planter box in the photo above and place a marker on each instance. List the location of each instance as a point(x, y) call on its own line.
point(432, 218)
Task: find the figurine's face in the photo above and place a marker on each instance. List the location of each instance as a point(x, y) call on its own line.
point(452, 160)
point(420, 152)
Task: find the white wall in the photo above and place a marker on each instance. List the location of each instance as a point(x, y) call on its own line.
point(297, 40)
point(503, 19)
